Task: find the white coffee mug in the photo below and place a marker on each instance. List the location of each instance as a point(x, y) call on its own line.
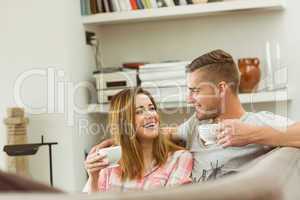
point(113, 155)
point(208, 133)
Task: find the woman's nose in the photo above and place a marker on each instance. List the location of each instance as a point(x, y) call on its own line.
point(148, 114)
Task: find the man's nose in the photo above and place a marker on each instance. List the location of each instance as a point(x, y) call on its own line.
point(190, 98)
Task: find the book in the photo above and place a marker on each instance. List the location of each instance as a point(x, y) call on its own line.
point(106, 6)
point(165, 64)
point(128, 4)
point(145, 3)
point(134, 5)
point(170, 3)
point(176, 2)
point(100, 5)
point(149, 3)
point(180, 74)
point(133, 65)
point(123, 5)
point(82, 7)
point(199, 1)
point(88, 7)
point(94, 6)
point(154, 4)
point(163, 83)
point(140, 4)
point(161, 3)
point(183, 2)
point(115, 5)
point(110, 6)
point(162, 69)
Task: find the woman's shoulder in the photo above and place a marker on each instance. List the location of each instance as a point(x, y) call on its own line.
point(179, 158)
point(181, 154)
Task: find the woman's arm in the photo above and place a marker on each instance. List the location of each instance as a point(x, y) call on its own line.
point(90, 186)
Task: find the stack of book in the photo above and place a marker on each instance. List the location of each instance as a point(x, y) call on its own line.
point(89, 7)
point(165, 81)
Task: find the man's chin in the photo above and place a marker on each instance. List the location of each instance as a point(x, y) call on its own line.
point(202, 116)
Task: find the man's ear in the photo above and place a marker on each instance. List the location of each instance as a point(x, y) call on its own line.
point(223, 87)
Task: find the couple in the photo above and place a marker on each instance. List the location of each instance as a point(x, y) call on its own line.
point(213, 82)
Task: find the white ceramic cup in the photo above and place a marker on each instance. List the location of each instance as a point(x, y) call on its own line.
point(208, 133)
point(113, 155)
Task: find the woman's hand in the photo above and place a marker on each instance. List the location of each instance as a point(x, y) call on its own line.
point(94, 164)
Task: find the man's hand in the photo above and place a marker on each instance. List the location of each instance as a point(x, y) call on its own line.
point(235, 133)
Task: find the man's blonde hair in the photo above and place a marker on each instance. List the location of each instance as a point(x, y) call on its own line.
point(219, 66)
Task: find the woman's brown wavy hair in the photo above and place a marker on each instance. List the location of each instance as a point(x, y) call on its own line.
point(122, 128)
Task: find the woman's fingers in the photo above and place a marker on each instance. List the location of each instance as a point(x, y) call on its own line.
point(98, 164)
point(95, 158)
point(104, 144)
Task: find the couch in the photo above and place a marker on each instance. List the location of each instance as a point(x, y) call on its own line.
point(275, 175)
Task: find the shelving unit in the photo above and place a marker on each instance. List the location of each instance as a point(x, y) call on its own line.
point(261, 97)
point(182, 11)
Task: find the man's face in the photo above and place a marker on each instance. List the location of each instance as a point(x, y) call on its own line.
point(203, 95)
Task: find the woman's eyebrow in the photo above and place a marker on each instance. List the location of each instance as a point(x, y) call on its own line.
point(139, 107)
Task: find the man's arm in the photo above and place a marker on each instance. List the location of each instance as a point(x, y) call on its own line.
point(171, 133)
point(236, 133)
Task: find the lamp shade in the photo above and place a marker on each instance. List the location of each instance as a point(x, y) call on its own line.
point(21, 150)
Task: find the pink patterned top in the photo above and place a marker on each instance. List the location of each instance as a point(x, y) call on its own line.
point(176, 171)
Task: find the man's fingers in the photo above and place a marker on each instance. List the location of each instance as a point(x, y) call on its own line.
point(223, 134)
point(226, 144)
point(225, 140)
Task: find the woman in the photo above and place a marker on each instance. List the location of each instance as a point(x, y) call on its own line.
point(148, 159)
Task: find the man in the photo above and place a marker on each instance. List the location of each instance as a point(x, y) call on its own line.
point(213, 82)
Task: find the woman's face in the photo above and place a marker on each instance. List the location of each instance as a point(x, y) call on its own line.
point(146, 118)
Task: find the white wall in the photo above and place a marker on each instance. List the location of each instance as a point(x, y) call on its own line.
point(41, 34)
point(38, 34)
point(242, 34)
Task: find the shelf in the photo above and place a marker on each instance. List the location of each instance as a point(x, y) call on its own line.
point(261, 97)
point(182, 11)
